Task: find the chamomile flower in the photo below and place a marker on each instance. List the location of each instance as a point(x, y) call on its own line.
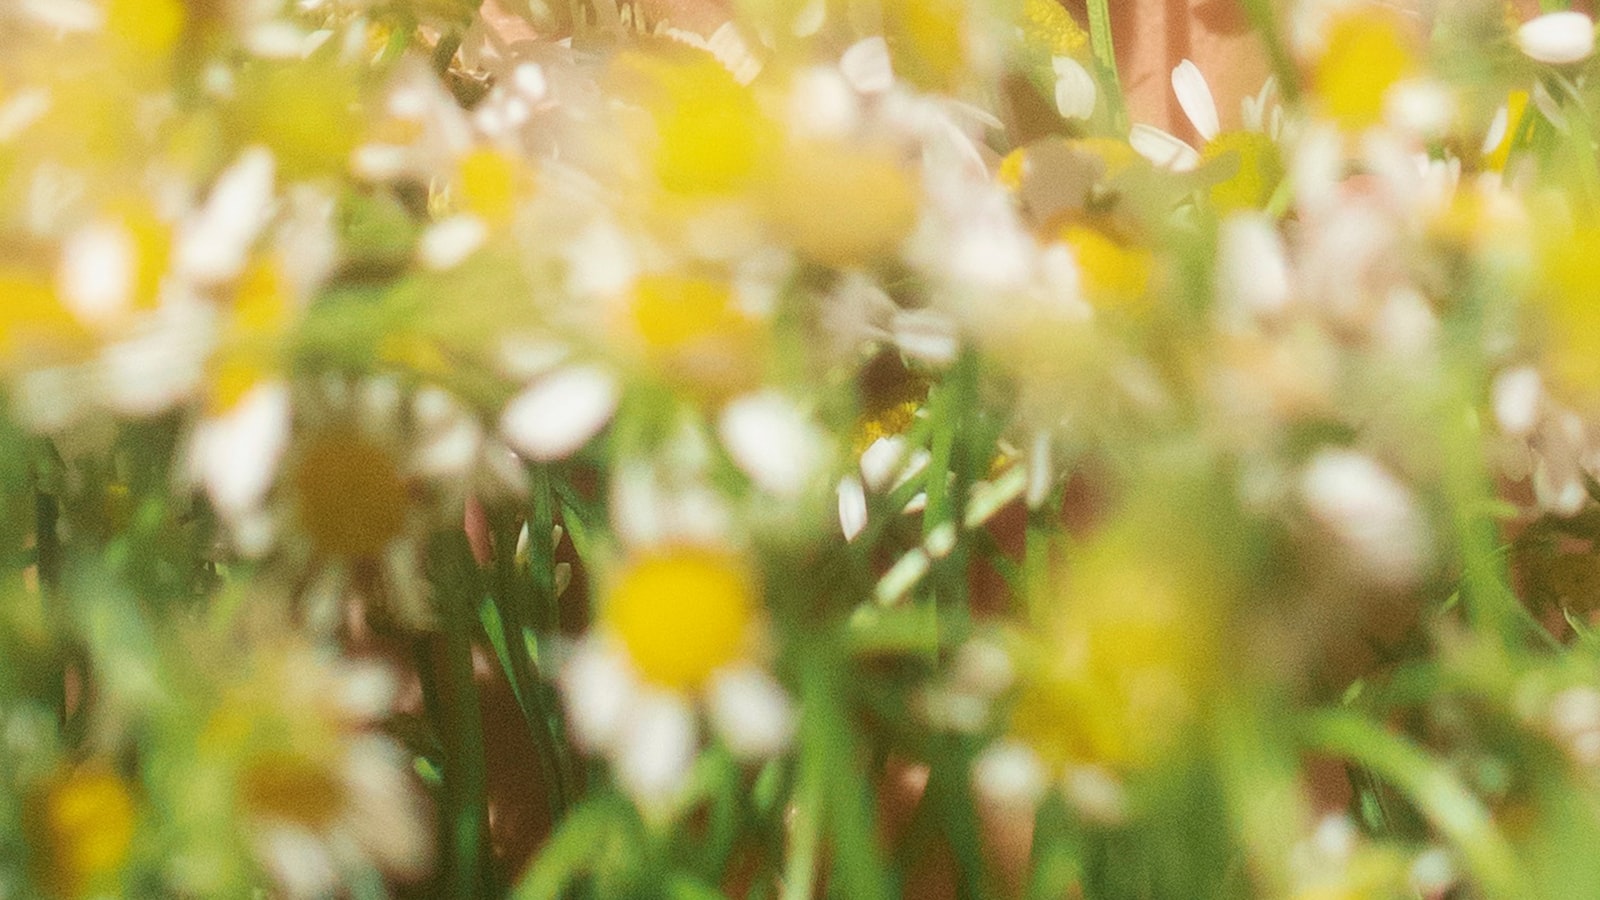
point(289, 756)
point(1252, 150)
point(679, 631)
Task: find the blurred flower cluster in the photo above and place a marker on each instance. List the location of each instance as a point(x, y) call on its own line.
point(795, 448)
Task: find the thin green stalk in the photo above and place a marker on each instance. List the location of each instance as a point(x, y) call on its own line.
point(1264, 16)
point(1105, 55)
point(805, 834)
point(1036, 568)
point(525, 681)
point(454, 573)
point(444, 52)
point(1430, 785)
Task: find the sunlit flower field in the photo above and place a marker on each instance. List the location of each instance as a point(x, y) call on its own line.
point(797, 449)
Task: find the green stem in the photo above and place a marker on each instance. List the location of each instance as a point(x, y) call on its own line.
point(805, 835)
point(454, 574)
point(1429, 784)
point(1105, 55)
point(1264, 16)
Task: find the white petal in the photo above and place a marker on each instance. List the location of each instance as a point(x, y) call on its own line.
point(237, 453)
point(983, 667)
point(925, 335)
point(903, 575)
point(1421, 106)
point(752, 712)
point(1516, 395)
point(447, 244)
point(1369, 509)
point(600, 261)
point(1557, 38)
point(1163, 149)
point(1498, 127)
point(852, 507)
point(730, 48)
point(98, 266)
point(1252, 268)
point(560, 413)
point(1194, 95)
point(1009, 775)
point(156, 366)
point(823, 104)
point(656, 749)
point(773, 441)
point(213, 244)
point(810, 19)
point(1075, 89)
point(866, 66)
point(1041, 470)
point(598, 690)
point(64, 15)
point(298, 860)
point(23, 108)
point(1096, 794)
point(880, 461)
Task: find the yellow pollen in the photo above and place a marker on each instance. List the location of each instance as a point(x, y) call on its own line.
point(34, 326)
point(710, 136)
point(87, 823)
point(1046, 24)
point(489, 183)
point(1012, 169)
point(292, 787)
point(674, 312)
point(871, 203)
point(1368, 51)
point(1572, 314)
point(1114, 276)
point(681, 615)
point(147, 27)
point(929, 40)
point(351, 497)
point(261, 314)
point(1260, 170)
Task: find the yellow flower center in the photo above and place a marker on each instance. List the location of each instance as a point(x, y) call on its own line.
point(870, 203)
point(674, 312)
point(710, 136)
point(351, 497)
point(681, 615)
point(147, 27)
point(35, 328)
point(1260, 170)
point(1013, 166)
point(1368, 51)
point(489, 184)
point(292, 787)
point(1114, 275)
point(87, 823)
point(262, 312)
point(692, 333)
point(928, 40)
point(1047, 25)
point(1572, 313)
